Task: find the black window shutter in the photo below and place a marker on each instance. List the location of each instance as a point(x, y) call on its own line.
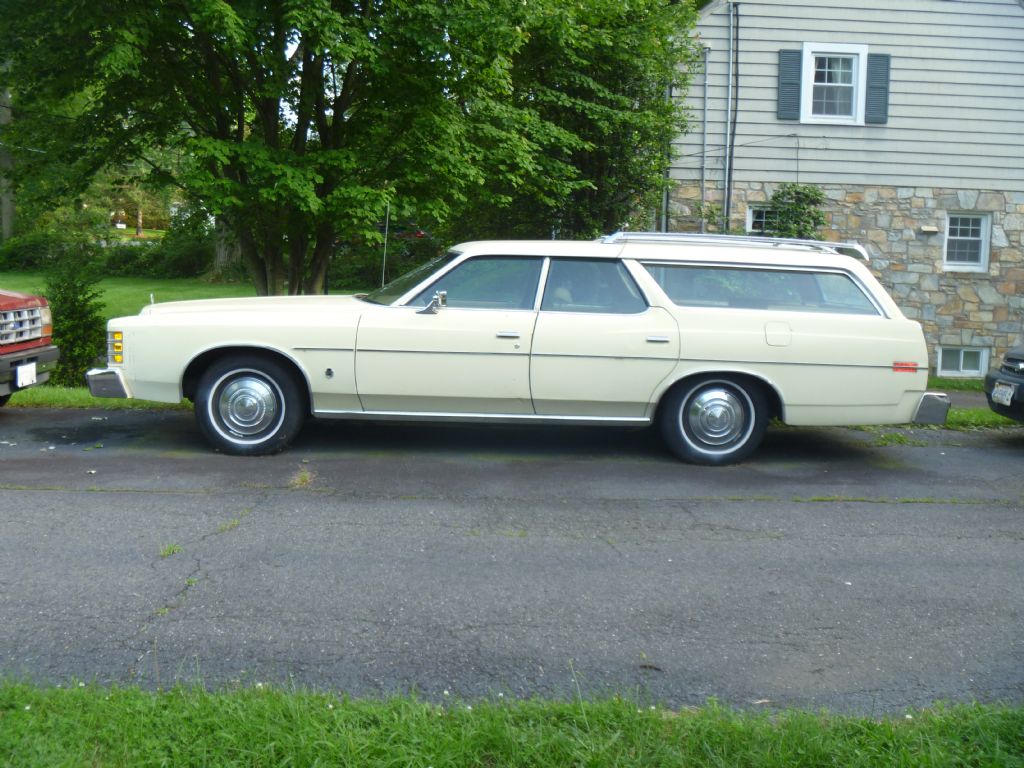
point(876, 108)
point(789, 84)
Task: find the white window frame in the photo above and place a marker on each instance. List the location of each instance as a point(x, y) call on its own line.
point(960, 373)
point(751, 208)
point(859, 54)
point(986, 239)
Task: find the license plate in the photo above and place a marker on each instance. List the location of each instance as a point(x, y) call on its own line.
point(1002, 393)
point(25, 375)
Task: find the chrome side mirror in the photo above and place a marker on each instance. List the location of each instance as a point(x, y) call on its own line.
point(439, 301)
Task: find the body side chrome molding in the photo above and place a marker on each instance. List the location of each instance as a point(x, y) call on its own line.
point(496, 418)
point(495, 353)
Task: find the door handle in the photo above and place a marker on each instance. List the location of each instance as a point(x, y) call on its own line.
point(658, 339)
point(508, 334)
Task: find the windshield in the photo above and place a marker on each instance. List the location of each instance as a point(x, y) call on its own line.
point(389, 293)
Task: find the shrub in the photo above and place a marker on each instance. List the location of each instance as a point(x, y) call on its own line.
point(796, 211)
point(36, 251)
point(133, 258)
point(180, 253)
point(183, 252)
point(78, 324)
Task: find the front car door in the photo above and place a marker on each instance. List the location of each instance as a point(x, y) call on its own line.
point(471, 356)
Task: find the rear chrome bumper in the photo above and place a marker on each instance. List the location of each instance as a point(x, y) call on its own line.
point(932, 409)
point(106, 382)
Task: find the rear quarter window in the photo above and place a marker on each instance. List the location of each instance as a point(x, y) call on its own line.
point(693, 285)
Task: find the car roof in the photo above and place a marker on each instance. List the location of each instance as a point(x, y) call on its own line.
point(728, 251)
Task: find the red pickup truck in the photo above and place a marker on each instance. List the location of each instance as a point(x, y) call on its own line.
point(27, 353)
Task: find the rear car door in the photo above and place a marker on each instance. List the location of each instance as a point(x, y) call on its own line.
point(599, 350)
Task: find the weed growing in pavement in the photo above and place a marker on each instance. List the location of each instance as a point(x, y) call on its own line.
point(301, 479)
point(169, 549)
point(888, 439)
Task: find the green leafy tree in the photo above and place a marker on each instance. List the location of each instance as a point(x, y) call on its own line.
point(296, 122)
point(601, 82)
point(134, 195)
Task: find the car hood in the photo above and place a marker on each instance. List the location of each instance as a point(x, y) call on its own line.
point(258, 304)
point(15, 300)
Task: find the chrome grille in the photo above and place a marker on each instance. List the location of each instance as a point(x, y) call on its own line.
point(18, 325)
point(1013, 365)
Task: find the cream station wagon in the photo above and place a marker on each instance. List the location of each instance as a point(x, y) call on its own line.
point(707, 338)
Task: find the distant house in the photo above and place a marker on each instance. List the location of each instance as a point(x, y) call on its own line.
point(909, 116)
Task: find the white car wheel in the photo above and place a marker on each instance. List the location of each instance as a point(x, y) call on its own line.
point(714, 420)
point(249, 407)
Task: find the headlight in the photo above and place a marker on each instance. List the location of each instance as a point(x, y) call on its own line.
point(115, 347)
point(46, 320)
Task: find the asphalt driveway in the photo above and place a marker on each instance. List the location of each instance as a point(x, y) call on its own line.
point(865, 571)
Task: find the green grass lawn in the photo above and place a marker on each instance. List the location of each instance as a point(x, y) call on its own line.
point(260, 726)
point(966, 419)
point(127, 295)
point(941, 384)
point(129, 233)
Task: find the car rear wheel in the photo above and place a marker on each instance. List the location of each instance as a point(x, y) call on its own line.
point(4, 399)
point(714, 420)
point(249, 406)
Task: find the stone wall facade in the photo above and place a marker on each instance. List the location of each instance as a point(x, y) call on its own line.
point(904, 230)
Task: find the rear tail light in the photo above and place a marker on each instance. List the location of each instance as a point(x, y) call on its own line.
point(902, 367)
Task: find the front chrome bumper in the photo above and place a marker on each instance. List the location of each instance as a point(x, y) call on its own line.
point(106, 382)
point(932, 409)
point(44, 358)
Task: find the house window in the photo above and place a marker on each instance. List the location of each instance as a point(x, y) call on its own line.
point(962, 361)
point(832, 92)
point(833, 83)
point(967, 241)
point(836, 84)
point(761, 220)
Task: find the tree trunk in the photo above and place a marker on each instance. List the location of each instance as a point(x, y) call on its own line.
point(298, 243)
point(316, 279)
point(247, 243)
point(6, 192)
point(138, 220)
point(227, 251)
point(273, 264)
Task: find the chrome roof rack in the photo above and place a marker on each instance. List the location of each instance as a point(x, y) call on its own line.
point(855, 250)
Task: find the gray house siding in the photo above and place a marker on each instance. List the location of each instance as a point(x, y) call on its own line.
point(956, 98)
point(952, 133)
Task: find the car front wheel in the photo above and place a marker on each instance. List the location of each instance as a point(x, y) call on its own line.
point(714, 420)
point(249, 406)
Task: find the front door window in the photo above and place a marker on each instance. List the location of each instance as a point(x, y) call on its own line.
point(492, 282)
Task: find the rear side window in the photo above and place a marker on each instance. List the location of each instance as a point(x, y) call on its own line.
point(591, 285)
point(689, 285)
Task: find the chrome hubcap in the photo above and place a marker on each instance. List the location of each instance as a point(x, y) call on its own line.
point(247, 405)
point(716, 417)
